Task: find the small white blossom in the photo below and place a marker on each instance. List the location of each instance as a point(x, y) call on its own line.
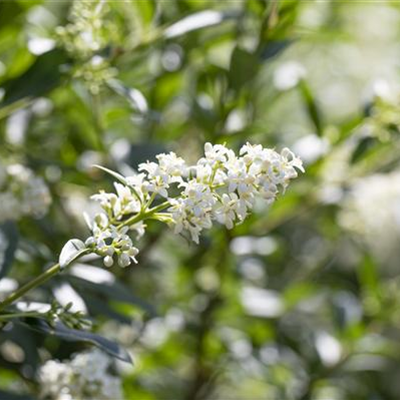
point(173, 166)
point(230, 209)
point(371, 211)
point(169, 169)
point(22, 193)
point(86, 377)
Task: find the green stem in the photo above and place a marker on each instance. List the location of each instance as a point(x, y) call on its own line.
point(98, 122)
point(150, 202)
point(140, 217)
point(9, 109)
point(160, 207)
point(45, 276)
point(5, 317)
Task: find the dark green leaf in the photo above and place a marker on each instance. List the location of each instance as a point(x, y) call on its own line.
point(114, 174)
point(9, 11)
point(41, 77)
point(273, 48)
point(112, 290)
point(14, 396)
point(243, 68)
point(8, 245)
point(311, 106)
point(363, 147)
point(74, 335)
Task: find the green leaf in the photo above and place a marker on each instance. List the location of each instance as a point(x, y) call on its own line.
point(14, 396)
point(73, 335)
point(41, 77)
point(273, 48)
point(8, 245)
point(71, 251)
point(9, 11)
point(311, 106)
point(363, 148)
point(368, 275)
point(116, 175)
point(243, 68)
point(147, 10)
point(112, 290)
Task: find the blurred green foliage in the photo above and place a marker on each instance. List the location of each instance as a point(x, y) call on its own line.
point(299, 302)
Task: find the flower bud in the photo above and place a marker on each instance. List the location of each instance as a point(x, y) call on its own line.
point(108, 261)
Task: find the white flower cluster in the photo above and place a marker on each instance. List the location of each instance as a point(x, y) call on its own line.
point(109, 241)
point(22, 193)
point(84, 37)
point(86, 377)
point(371, 210)
point(220, 187)
point(224, 186)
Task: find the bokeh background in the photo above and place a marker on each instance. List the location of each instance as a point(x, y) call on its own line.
point(302, 301)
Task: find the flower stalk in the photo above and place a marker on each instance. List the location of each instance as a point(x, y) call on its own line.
point(38, 281)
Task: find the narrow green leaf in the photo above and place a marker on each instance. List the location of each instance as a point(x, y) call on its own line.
point(61, 331)
point(116, 175)
point(365, 145)
point(312, 107)
point(243, 68)
point(8, 246)
point(41, 77)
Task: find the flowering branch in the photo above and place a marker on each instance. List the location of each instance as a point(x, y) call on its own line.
point(220, 187)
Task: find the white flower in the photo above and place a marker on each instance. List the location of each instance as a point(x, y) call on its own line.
point(169, 169)
point(85, 377)
point(128, 202)
point(216, 154)
point(291, 162)
point(173, 166)
point(158, 180)
point(118, 205)
point(22, 193)
point(230, 209)
point(138, 185)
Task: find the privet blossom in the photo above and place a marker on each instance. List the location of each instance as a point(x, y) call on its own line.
point(371, 210)
point(22, 193)
point(221, 186)
point(86, 377)
point(84, 37)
